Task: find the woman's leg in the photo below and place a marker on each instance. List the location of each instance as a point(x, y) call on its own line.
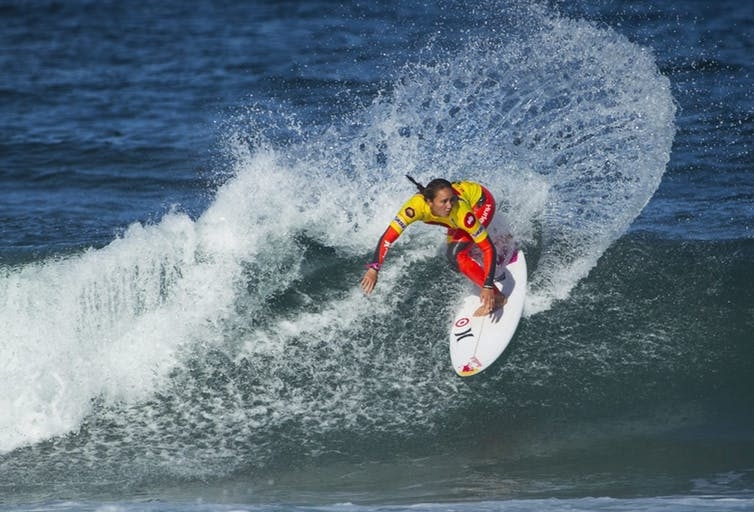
point(460, 243)
point(459, 258)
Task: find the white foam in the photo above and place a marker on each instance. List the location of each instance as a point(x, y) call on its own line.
point(569, 125)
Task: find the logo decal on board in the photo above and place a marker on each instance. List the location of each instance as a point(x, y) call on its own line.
point(471, 367)
point(463, 321)
point(460, 335)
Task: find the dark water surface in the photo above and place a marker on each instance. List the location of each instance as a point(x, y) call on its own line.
point(188, 192)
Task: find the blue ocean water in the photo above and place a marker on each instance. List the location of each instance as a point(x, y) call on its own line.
point(189, 191)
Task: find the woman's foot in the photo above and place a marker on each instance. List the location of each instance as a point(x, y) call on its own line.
point(500, 301)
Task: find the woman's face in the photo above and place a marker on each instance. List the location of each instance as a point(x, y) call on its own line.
point(441, 205)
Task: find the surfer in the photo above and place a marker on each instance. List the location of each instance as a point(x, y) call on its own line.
point(466, 208)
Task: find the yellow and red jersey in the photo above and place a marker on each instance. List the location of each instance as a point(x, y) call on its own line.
point(463, 223)
point(461, 216)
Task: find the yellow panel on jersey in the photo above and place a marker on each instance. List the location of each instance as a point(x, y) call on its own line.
point(460, 217)
point(468, 190)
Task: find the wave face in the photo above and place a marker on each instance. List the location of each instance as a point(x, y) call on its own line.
point(236, 344)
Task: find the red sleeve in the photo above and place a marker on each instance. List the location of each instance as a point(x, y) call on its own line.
point(386, 241)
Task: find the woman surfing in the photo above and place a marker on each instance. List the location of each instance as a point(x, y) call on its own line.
point(465, 208)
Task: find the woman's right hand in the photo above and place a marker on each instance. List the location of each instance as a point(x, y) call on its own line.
point(369, 281)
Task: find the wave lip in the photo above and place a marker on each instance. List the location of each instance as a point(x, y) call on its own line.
point(570, 124)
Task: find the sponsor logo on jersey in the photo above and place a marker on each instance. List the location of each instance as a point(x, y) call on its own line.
point(400, 222)
point(485, 214)
point(410, 213)
point(478, 232)
point(469, 220)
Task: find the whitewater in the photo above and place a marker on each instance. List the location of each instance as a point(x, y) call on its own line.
point(215, 351)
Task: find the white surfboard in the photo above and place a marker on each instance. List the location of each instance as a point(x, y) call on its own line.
point(477, 341)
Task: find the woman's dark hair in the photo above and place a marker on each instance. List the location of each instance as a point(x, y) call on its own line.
point(433, 187)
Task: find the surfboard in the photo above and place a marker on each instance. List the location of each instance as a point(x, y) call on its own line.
point(477, 341)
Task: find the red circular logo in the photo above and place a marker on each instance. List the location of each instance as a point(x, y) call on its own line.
point(462, 322)
point(469, 220)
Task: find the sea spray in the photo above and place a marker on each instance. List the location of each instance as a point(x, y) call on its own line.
point(570, 125)
point(193, 341)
